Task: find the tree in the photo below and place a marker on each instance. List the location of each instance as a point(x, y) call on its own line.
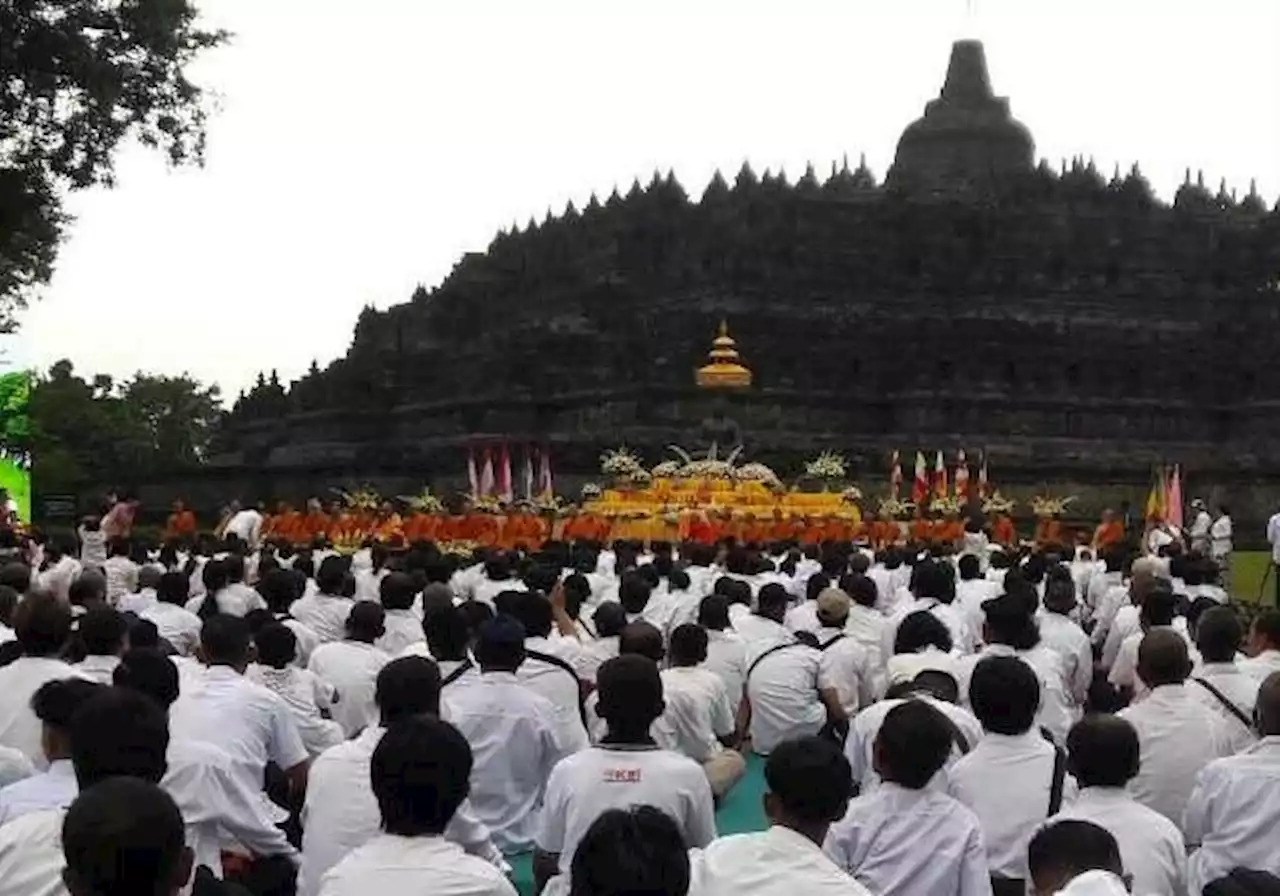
point(77, 77)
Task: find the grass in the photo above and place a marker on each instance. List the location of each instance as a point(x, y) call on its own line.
point(1248, 568)
point(18, 483)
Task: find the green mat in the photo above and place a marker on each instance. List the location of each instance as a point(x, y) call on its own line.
point(741, 812)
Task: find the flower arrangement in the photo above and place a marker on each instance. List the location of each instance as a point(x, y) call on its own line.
point(1047, 505)
point(552, 505)
point(755, 472)
point(893, 507)
point(826, 466)
point(851, 495)
point(591, 490)
point(424, 502)
point(487, 504)
point(997, 503)
point(668, 469)
point(620, 463)
point(363, 498)
point(945, 504)
point(463, 550)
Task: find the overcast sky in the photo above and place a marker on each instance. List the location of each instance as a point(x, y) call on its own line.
point(360, 148)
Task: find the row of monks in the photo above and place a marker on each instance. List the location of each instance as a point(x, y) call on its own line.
point(518, 526)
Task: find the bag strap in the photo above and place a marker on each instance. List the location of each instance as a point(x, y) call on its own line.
point(460, 670)
point(1226, 703)
point(561, 664)
point(774, 649)
point(823, 647)
point(1059, 780)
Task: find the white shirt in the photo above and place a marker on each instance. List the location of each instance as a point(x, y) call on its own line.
point(245, 525)
point(31, 859)
point(341, 813)
point(1006, 781)
point(866, 626)
point(950, 616)
point(1262, 665)
point(352, 668)
point(1177, 737)
point(589, 783)
point(306, 694)
point(177, 625)
point(1233, 814)
point(402, 629)
point(595, 652)
point(19, 727)
point(760, 633)
point(98, 668)
point(237, 599)
point(1238, 687)
point(557, 686)
point(58, 578)
point(144, 599)
point(900, 842)
point(1220, 537)
point(846, 666)
point(1151, 846)
point(782, 689)
point(487, 590)
point(1273, 537)
point(698, 711)
point(324, 614)
point(727, 657)
point(1105, 614)
point(1099, 585)
point(775, 862)
point(14, 766)
point(52, 789)
point(512, 731)
point(1200, 530)
point(408, 866)
point(1124, 672)
point(859, 744)
point(971, 595)
point(803, 617)
point(1056, 707)
point(1065, 638)
point(122, 577)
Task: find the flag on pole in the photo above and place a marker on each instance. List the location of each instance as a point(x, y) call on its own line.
point(486, 475)
point(545, 485)
point(1156, 498)
point(1173, 499)
point(528, 472)
point(920, 485)
point(895, 475)
point(505, 490)
point(473, 475)
point(982, 477)
point(962, 477)
point(939, 477)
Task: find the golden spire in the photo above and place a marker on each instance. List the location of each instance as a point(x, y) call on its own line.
point(725, 370)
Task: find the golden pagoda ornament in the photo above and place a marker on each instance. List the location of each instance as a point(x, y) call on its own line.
point(725, 370)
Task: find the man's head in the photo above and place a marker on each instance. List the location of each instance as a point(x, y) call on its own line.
point(420, 772)
point(633, 593)
point(407, 687)
point(118, 732)
point(397, 591)
point(1158, 609)
point(1163, 658)
point(1064, 850)
point(912, 746)
point(124, 837)
point(41, 625)
point(921, 630)
point(1102, 751)
point(688, 645)
point(1267, 711)
point(366, 622)
point(276, 645)
point(55, 704)
point(1218, 634)
point(1264, 634)
point(642, 639)
point(1145, 573)
point(634, 851)
point(970, 568)
point(149, 672)
point(713, 613)
point(810, 783)
point(833, 608)
point(225, 641)
point(772, 602)
point(1005, 695)
point(630, 696)
point(933, 580)
point(103, 632)
point(500, 644)
point(534, 612)
point(445, 629)
point(331, 577)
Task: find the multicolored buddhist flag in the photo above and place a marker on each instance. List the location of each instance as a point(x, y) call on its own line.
point(895, 475)
point(545, 483)
point(1173, 498)
point(962, 477)
point(473, 474)
point(939, 477)
point(486, 475)
point(982, 477)
point(1159, 494)
point(920, 485)
point(505, 490)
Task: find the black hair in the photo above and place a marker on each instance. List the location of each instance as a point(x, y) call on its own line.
point(641, 638)
point(366, 621)
point(1267, 624)
point(174, 588)
point(919, 630)
point(420, 772)
point(118, 732)
point(1163, 658)
point(688, 645)
point(1218, 634)
point(969, 567)
point(445, 629)
point(1103, 751)
point(407, 686)
point(534, 612)
point(1159, 607)
point(633, 593)
point(678, 580)
point(913, 744)
point(224, 640)
point(55, 702)
point(276, 644)
point(631, 852)
point(148, 672)
point(1011, 619)
point(1005, 694)
point(500, 643)
point(933, 579)
point(772, 599)
point(102, 631)
point(123, 837)
point(812, 779)
point(713, 612)
point(609, 619)
point(8, 603)
point(577, 591)
point(1066, 849)
point(41, 625)
point(817, 583)
point(331, 577)
point(630, 695)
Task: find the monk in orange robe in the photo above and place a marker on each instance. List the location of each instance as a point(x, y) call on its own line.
point(921, 530)
point(1110, 531)
point(1003, 531)
point(387, 526)
point(949, 531)
point(523, 528)
point(181, 523)
point(314, 524)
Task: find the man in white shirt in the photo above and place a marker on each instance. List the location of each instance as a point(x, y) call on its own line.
point(551, 669)
point(121, 572)
point(245, 524)
point(626, 769)
point(726, 651)
point(42, 625)
point(351, 666)
point(1263, 646)
point(1234, 809)
point(326, 611)
point(865, 624)
point(1076, 858)
point(1220, 543)
point(1143, 576)
point(698, 710)
point(1103, 756)
point(1219, 683)
point(1110, 576)
point(787, 695)
point(175, 623)
point(1158, 612)
point(513, 733)
point(1177, 734)
point(935, 592)
point(972, 591)
point(845, 665)
point(766, 627)
point(1013, 779)
point(419, 773)
point(498, 578)
point(1201, 522)
point(904, 838)
point(341, 811)
point(104, 634)
point(61, 569)
point(1060, 633)
point(54, 705)
point(809, 783)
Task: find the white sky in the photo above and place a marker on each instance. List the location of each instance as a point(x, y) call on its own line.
point(361, 148)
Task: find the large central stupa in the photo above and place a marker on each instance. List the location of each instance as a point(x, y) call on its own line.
point(1062, 319)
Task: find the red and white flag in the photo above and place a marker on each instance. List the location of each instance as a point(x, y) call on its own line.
point(939, 477)
point(528, 472)
point(546, 488)
point(505, 491)
point(473, 475)
point(920, 485)
point(962, 477)
point(982, 477)
point(486, 475)
point(895, 475)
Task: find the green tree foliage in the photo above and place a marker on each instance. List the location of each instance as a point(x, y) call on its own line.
point(15, 429)
point(99, 431)
point(77, 77)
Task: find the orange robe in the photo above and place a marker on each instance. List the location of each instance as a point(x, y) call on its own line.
point(1003, 532)
point(949, 531)
point(389, 529)
point(1048, 531)
point(1108, 534)
point(921, 530)
point(314, 524)
point(180, 524)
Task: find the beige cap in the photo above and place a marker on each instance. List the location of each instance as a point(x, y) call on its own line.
point(833, 604)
